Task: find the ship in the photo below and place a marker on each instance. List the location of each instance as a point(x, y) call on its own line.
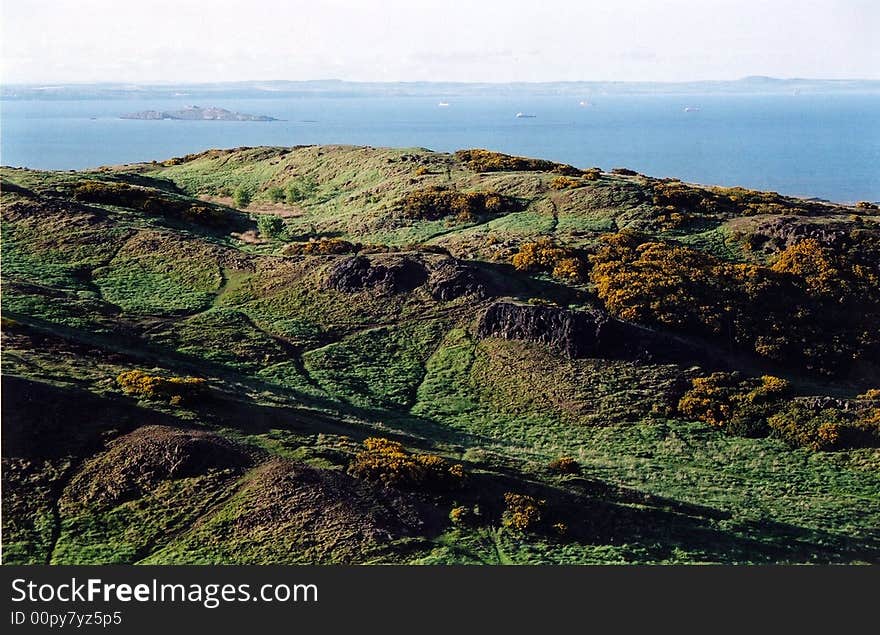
point(522, 115)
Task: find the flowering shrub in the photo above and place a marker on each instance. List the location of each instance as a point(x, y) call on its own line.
point(545, 255)
point(760, 406)
point(480, 160)
point(815, 308)
point(176, 390)
point(387, 462)
point(801, 427)
point(522, 512)
point(458, 515)
point(739, 406)
point(436, 202)
point(322, 246)
point(565, 183)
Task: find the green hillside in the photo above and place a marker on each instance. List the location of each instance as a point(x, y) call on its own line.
point(333, 354)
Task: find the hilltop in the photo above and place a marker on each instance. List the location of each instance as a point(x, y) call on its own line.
point(351, 354)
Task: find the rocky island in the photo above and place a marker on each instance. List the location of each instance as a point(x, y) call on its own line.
point(197, 113)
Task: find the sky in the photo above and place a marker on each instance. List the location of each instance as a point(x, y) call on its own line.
point(65, 41)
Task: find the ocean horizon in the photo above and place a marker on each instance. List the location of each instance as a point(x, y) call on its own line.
point(824, 146)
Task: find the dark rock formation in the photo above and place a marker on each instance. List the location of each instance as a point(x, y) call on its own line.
point(393, 275)
point(581, 334)
point(783, 231)
point(453, 279)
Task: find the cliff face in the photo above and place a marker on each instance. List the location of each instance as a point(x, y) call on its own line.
point(580, 334)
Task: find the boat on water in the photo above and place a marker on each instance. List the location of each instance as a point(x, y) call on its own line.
point(692, 109)
point(585, 103)
point(522, 115)
point(443, 104)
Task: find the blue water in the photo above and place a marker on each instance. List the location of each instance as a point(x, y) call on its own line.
point(825, 146)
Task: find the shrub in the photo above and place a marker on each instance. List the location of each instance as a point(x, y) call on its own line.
point(522, 512)
point(387, 462)
point(422, 170)
point(545, 255)
point(798, 426)
point(151, 202)
point(321, 247)
point(208, 216)
point(459, 515)
point(571, 269)
point(565, 182)
point(480, 160)
point(814, 308)
point(275, 194)
point(300, 190)
point(867, 205)
point(270, 226)
point(755, 407)
point(241, 196)
point(624, 172)
point(593, 174)
point(710, 399)
point(738, 406)
point(564, 465)
point(176, 390)
point(436, 202)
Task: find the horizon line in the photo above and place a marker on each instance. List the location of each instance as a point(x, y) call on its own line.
point(435, 81)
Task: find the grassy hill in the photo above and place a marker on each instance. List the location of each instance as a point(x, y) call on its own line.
point(346, 354)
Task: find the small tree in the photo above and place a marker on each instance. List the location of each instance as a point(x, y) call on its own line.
point(270, 226)
point(241, 196)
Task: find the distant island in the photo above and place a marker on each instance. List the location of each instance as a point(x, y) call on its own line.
point(197, 113)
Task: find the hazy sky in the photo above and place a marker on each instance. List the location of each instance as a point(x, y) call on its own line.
point(479, 40)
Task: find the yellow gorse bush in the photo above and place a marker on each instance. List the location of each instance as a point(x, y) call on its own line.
point(522, 512)
point(545, 255)
point(388, 462)
point(436, 201)
point(175, 389)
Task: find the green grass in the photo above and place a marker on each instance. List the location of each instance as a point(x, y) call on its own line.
point(155, 276)
point(300, 373)
point(377, 368)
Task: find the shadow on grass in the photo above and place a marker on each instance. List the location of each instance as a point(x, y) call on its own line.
point(597, 513)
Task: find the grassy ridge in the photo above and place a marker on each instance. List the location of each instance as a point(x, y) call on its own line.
point(305, 356)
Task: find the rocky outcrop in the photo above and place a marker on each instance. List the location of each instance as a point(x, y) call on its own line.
point(452, 279)
point(783, 231)
point(581, 334)
point(396, 274)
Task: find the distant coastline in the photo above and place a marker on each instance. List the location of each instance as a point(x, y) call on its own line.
point(444, 90)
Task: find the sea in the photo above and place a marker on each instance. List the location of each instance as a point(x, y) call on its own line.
point(824, 146)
